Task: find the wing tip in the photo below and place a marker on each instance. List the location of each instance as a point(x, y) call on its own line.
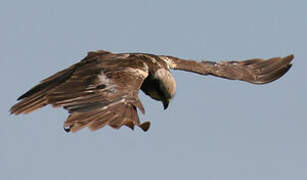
point(288, 58)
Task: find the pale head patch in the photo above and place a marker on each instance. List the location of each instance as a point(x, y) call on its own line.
point(167, 81)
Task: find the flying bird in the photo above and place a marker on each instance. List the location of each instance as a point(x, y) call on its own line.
point(102, 89)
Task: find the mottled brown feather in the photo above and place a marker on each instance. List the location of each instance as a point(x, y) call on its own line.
point(256, 71)
point(102, 89)
point(91, 100)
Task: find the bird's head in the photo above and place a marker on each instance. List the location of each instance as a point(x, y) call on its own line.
point(167, 86)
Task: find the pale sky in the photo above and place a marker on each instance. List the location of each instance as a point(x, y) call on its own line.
point(214, 129)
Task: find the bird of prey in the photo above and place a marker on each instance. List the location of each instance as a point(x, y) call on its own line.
point(102, 89)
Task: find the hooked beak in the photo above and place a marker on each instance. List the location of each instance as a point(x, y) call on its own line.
point(165, 103)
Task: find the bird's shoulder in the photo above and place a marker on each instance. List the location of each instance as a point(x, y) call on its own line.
point(121, 61)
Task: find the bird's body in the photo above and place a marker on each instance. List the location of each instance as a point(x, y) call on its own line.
point(102, 89)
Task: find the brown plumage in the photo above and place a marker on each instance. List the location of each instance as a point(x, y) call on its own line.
point(102, 89)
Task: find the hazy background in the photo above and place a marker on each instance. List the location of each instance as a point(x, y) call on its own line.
point(214, 128)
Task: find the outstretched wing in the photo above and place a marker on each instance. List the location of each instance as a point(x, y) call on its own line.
point(256, 71)
point(100, 90)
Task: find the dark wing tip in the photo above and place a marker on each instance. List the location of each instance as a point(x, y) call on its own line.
point(260, 71)
point(32, 91)
point(274, 76)
point(21, 97)
point(289, 58)
point(281, 68)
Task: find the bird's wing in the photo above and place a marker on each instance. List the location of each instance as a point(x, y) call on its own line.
point(100, 90)
point(256, 71)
